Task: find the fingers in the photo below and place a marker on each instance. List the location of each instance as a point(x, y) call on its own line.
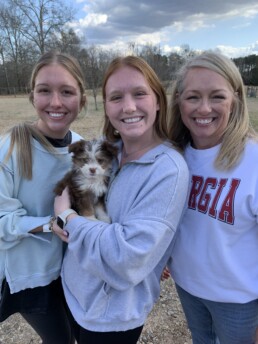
point(165, 274)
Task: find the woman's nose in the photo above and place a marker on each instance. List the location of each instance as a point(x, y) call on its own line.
point(55, 99)
point(204, 106)
point(129, 105)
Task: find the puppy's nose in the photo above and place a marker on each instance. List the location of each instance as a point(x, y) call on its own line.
point(92, 170)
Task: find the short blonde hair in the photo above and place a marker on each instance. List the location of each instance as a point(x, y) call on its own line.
point(238, 129)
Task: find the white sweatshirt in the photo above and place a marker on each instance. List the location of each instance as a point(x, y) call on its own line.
point(215, 256)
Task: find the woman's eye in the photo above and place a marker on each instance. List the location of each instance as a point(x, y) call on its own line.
point(218, 98)
point(140, 94)
point(67, 92)
point(192, 98)
point(114, 98)
point(43, 90)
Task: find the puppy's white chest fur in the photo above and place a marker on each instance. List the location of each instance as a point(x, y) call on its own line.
point(94, 183)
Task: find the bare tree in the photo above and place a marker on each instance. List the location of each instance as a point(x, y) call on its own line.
point(4, 66)
point(94, 62)
point(153, 55)
point(133, 48)
point(67, 42)
point(12, 42)
point(41, 18)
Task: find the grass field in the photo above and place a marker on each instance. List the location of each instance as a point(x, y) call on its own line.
point(253, 111)
point(17, 109)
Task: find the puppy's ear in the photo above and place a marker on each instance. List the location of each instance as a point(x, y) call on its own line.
point(77, 147)
point(110, 148)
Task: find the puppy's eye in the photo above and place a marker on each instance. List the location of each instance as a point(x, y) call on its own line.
point(100, 161)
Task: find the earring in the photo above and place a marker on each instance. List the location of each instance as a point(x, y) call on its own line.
point(116, 132)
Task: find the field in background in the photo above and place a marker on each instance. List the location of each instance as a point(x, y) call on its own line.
point(253, 111)
point(16, 109)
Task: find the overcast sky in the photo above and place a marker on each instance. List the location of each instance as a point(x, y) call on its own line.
point(230, 25)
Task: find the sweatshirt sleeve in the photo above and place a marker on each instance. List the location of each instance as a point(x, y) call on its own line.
point(15, 223)
point(123, 254)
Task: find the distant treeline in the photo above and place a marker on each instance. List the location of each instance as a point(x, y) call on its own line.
point(14, 75)
point(28, 28)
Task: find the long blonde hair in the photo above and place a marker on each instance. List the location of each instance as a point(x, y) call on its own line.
point(22, 134)
point(238, 129)
point(20, 138)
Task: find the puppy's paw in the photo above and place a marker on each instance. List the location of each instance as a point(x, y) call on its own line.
point(104, 218)
point(101, 214)
point(92, 217)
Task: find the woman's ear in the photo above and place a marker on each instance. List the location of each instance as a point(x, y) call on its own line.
point(31, 97)
point(83, 101)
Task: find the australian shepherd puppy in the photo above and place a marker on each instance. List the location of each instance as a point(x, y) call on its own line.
point(88, 177)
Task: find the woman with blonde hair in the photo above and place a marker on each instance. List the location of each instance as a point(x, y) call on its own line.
point(33, 157)
point(214, 261)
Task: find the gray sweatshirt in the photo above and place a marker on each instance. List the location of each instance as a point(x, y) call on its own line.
point(111, 272)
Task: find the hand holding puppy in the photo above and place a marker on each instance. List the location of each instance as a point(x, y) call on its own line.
point(61, 204)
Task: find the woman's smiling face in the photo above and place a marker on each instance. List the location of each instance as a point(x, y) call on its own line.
point(131, 105)
point(57, 99)
point(205, 105)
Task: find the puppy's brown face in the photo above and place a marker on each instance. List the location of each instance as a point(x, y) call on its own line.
point(93, 158)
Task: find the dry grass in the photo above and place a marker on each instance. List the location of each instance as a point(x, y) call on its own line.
point(17, 109)
point(253, 111)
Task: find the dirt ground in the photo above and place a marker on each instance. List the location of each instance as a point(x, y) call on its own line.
point(166, 323)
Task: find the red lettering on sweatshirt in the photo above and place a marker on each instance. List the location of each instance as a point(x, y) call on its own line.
point(205, 196)
point(226, 213)
point(213, 208)
point(197, 182)
point(202, 198)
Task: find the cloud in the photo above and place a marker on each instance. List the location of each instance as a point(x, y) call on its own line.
point(110, 21)
point(234, 52)
point(93, 20)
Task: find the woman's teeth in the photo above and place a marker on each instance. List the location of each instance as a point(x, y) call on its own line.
point(132, 120)
point(203, 120)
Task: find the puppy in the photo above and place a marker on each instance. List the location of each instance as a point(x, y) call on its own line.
point(89, 176)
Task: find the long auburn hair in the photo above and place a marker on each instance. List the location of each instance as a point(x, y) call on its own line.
point(152, 79)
